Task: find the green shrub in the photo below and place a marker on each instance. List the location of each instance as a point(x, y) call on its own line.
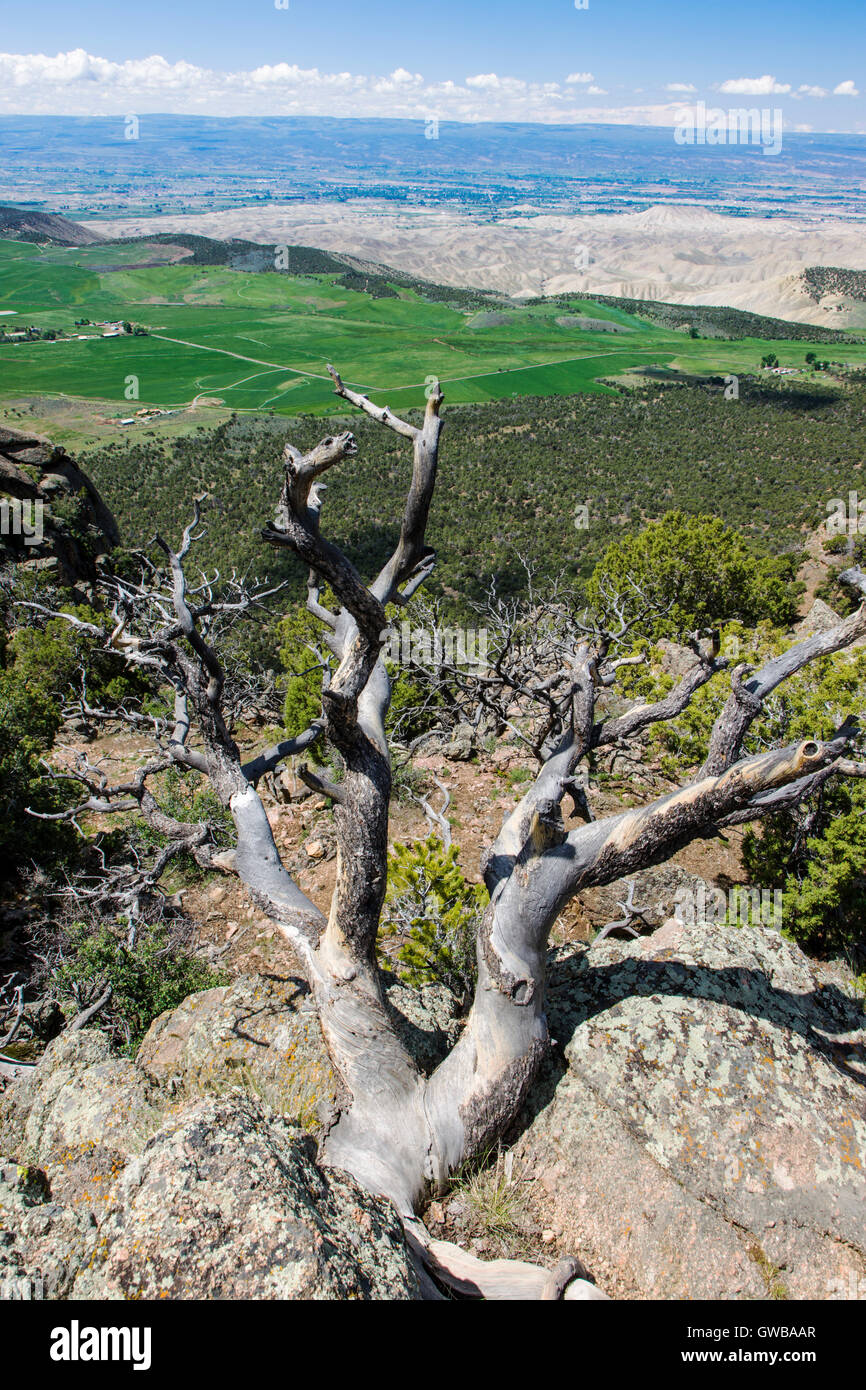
point(819, 855)
point(697, 572)
point(815, 854)
point(434, 911)
point(298, 631)
point(154, 975)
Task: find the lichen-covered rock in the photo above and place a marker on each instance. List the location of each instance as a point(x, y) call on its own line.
point(262, 1033)
point(655, 895)
point(42, 1244)
point(259, 1032)
point(226, 1202)
point(426, 1020)
point(80, 1113)
point(703, 1134)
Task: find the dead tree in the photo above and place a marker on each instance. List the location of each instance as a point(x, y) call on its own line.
point(399, 1132)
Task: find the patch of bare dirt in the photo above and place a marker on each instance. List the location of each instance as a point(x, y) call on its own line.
point(482, 791)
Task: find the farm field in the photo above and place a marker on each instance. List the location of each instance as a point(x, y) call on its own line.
point(252, 341)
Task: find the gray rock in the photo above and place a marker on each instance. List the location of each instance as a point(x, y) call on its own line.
point(462, 745)
point(80, 1114)
point(259, 1032)
point(703, 1133)
point(820, 618)
point(676, 660)
point(426, 1019)
point(42, 1244)
point(655, 894)
point(226, 1202)
point(77, 526)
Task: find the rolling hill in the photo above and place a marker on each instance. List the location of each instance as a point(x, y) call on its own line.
point(45, 228)
point(220, 323)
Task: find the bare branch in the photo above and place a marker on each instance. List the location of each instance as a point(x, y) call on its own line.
point(746, 699)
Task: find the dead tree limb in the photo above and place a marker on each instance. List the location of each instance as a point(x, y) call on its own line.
point(399, 1132)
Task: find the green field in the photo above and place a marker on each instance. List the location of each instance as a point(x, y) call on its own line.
point(261, 341)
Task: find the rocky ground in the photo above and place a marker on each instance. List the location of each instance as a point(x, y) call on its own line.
point(697, 1132)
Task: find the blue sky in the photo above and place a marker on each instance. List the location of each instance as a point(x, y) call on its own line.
point(461, 59)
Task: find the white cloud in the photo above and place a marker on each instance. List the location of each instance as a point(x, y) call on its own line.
point(808, 91)
point(846, 89)
point(81, 83)
point(755, 86)
point(680, 87)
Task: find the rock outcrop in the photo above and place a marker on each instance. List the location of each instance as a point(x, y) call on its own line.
point(43, 1244)
point(259, 1033)
point(227, 1202)
point(81, 1114)
point(702, 1133)
point(141, 1193)
point(57, 520)
point(699, 1132)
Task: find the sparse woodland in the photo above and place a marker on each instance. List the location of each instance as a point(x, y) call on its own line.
point(399, 1132)
point(767, 465)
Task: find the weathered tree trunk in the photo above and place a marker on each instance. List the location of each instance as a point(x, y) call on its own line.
point(398, 1132)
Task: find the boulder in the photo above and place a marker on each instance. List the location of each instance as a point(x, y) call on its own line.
point(43, 1244)
point(259, 1032)
point(80, 1113)
point(676, 660)
point(462, 745)
point(427, 1019)
point(820, 618)
point(655, 895)
point(226, 1202)
point(701, 1131)
point(76, 526)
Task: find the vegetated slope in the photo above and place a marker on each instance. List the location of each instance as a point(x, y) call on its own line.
point(22, 224)
point(719, 321)
point(255, 340)
point(512, 475)
point(239, 254)
point(367, 277)
point(834, 279)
